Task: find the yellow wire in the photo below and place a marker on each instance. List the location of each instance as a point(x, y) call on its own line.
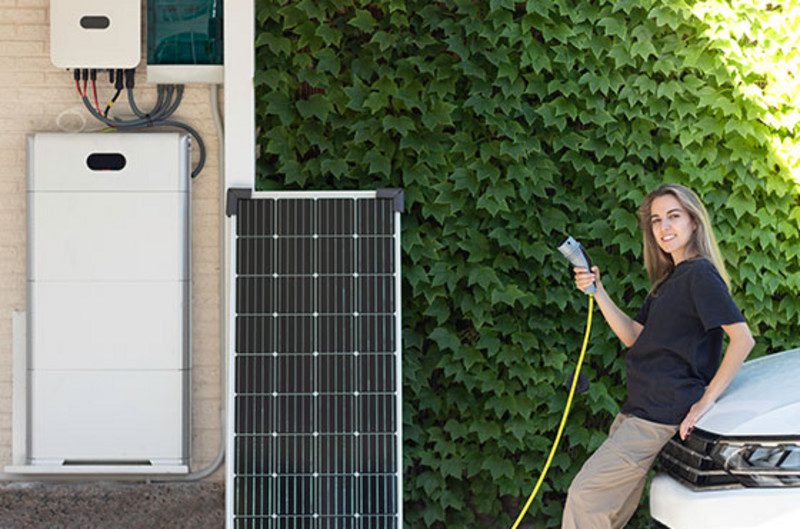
point(563, 417)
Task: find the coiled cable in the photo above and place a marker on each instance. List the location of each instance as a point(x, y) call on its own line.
point(160, 121)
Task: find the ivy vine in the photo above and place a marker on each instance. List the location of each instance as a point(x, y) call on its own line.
point(510, 124)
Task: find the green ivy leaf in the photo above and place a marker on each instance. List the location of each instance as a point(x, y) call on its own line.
point(280, 105)
point(498, 467)
point(363, 20)
point(485, 430)
point(330, 36)
point(613, 27)
point(483, 276)
point(399, 124)
point(509, 295)
point(327, 61)
point(315, 106)
point(378, 163)
point(276, 44)
point(337, 167)
point(643, 49)
point(665, 16)
point(446, 339)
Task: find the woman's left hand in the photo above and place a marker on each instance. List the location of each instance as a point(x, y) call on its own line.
point(697, 410)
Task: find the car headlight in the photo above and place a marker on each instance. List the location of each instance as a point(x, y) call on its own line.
point(760, 463)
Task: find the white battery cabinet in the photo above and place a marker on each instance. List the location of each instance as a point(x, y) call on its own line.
point(108, 303)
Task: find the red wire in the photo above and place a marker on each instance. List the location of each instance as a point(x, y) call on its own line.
point(78, 88)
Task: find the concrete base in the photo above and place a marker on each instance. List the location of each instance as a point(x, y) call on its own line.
point(107, 505)
point(71, 470)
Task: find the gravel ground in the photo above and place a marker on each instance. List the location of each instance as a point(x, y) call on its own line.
point(108, 505)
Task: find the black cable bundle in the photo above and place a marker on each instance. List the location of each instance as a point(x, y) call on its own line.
point(168, 100)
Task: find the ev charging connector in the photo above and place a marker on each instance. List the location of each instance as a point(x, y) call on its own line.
point(575, 254)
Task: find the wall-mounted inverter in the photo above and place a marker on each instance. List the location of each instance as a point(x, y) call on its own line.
point(95, 33)
point(108, 304)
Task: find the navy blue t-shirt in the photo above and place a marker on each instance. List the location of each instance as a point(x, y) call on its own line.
point(678, 351)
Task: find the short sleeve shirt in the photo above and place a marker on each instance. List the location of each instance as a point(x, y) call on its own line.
point(678, 351)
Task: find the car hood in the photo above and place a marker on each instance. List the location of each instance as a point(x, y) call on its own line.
point(762, 400)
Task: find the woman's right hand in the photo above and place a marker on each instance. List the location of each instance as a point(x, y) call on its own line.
point(584, 278)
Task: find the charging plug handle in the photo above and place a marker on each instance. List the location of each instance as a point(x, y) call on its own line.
point(575, 254)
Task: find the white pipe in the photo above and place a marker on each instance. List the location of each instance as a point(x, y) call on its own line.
point(223, 296)
point(240, 160)
point(240, 115)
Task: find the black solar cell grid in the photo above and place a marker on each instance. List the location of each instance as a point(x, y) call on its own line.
point(316, 381)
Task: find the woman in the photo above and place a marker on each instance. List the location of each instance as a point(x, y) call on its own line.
point(673, 365)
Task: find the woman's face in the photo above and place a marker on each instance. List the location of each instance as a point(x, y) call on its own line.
point(672, 226)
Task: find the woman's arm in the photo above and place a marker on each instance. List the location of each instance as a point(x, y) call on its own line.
point(740, 344)
point(626, 328)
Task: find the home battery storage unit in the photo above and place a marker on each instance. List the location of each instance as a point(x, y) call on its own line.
point(108, 303)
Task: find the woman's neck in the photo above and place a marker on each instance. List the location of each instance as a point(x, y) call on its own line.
point(684, 256)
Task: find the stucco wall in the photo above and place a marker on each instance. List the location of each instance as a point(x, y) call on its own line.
point(32, 95)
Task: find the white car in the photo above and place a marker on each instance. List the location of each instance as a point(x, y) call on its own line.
point(740, 467)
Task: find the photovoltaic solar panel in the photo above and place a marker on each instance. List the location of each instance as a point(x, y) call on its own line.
point(316, 441)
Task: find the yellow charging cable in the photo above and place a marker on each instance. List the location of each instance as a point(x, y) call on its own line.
point(563, 417)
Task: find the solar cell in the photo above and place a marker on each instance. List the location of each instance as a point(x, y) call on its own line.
point(317, 380)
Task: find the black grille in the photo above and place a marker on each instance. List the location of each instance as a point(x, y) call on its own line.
point(690, 462)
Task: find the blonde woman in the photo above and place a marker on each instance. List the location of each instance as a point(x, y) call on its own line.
point(674, 374)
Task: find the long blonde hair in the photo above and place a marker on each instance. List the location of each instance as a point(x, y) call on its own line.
point(702, 243)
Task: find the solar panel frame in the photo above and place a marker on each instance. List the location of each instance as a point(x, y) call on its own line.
point(336, 460)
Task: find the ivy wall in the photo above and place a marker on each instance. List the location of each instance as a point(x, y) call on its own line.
point(510, 124)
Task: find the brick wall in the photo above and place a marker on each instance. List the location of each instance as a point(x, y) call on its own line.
point(32, 95)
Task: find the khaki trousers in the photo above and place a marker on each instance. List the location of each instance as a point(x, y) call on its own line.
point(606, 491)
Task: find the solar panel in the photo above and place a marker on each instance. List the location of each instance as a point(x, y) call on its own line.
point(316, 399)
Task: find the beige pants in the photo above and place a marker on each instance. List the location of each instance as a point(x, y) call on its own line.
point(606, 491)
